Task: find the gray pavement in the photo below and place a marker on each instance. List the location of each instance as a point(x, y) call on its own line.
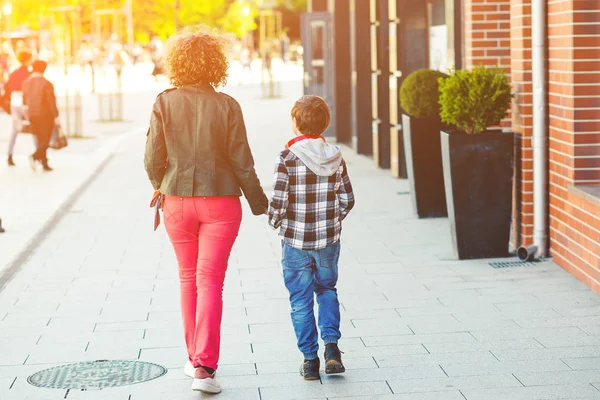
point(416, 324)
point(29, 201)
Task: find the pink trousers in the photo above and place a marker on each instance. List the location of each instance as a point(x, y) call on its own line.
point(202, 231)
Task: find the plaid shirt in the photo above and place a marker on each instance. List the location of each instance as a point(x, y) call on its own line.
point(307, 208)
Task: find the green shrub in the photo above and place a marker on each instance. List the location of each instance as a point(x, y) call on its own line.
point(419, 94)
point(475, 100)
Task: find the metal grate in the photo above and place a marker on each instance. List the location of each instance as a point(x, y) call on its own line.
point(512, 264)
point(97, 375)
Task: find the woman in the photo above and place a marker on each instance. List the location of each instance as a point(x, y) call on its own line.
point(197, 155)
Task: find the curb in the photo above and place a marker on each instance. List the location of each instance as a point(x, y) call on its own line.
point(105, 154)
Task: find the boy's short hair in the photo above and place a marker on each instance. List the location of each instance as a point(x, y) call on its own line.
point(312, 115)
point(39, 66)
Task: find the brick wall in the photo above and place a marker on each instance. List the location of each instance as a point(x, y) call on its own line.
point(487, 33)
point(574, 118)
point(499, 33)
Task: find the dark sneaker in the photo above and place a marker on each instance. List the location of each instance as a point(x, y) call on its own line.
point(310, 369)
point(333, 359)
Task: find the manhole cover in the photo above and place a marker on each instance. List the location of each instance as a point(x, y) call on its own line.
point(96, 375)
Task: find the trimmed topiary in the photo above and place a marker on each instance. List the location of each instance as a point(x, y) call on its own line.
point(475, 100)
point(419, 94)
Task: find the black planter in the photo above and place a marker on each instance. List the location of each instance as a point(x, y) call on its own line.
point(424, 165)
point(478, 175)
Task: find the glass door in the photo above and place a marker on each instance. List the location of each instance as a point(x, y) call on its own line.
point(317, 39)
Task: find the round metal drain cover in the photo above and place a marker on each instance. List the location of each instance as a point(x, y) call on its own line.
point(95, 375)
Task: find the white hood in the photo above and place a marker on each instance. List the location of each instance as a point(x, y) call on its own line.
point(320, 157)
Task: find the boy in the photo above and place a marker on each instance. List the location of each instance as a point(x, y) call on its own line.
point(312, 195)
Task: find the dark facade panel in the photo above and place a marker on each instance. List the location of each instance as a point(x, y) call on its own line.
point(360, 47)
point(343, 70)
point(381, 71)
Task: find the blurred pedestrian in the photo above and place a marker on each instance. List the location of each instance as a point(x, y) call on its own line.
point(284, 43)
point(136, 53)
point(156, 54)
point(87, 57)
point(198, 157)
point(12, 99)
point(246, 61)
point(39, 97)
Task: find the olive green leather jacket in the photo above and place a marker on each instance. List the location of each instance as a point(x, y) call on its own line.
point(197, 146)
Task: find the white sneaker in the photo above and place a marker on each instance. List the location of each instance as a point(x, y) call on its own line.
point(189, 369)
point(205, 382)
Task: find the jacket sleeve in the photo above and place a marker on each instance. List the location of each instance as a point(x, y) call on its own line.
point(155, 159)
point(279, 201)
point(50, 98)
point(242, 162)
point(345, 193)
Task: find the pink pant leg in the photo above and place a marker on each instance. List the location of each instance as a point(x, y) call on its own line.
point(220, 223)
point(202, 231)
point(182, 225)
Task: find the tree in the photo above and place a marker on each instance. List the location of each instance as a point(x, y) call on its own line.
point(158, 17)
point(239, 19)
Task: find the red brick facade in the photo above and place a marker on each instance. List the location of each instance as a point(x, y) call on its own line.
point(498, 33)
point(573, 115)
point(487, 33)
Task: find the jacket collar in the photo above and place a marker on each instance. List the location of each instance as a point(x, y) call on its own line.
point(204, 86)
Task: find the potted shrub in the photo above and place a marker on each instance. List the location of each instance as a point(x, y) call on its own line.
point(421, 126)
point(477, 161)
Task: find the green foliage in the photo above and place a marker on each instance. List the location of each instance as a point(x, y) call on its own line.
point(475, 100)
point(239, 20)
point(419, 94)
point(150, 17)
point(159, 16)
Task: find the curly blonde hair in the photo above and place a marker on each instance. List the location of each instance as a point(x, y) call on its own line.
point(196, 56)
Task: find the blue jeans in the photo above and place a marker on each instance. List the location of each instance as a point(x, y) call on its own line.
point(305, 274)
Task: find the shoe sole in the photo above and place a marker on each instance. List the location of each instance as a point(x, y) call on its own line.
point(205, 387)
point(334, 367)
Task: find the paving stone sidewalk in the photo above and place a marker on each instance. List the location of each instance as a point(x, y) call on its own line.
point(28, 201)
point(416, 324)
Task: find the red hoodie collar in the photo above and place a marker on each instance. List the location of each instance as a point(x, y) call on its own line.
point(301, 138)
